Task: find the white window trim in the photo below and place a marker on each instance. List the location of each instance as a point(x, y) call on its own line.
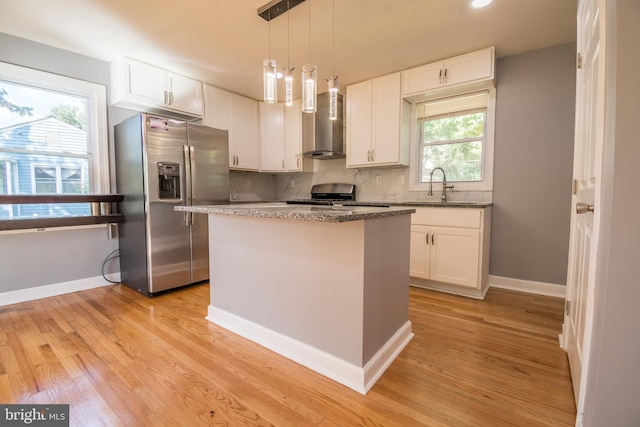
point(486, 184)
point(96, 114)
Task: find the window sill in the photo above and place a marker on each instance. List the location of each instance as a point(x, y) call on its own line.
point(97, 200)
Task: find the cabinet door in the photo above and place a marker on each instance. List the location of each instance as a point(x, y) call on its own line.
point(386, 120)
point(455, 256)
point(217, 108)
point(272, 136)
point(421, 79)
point(217, 113)
point(186, 94)
point(420, 252)
point(359, 121)
point(146, 83)
point(470, 67)
point(245, 127)
point(293, 137)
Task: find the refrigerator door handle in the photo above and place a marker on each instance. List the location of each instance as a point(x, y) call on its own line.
point(188, 185)
point(192, 179)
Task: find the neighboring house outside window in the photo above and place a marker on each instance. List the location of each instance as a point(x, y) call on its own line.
point(52, 140)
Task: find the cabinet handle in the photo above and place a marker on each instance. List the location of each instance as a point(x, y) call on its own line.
point(433, 236)
point(298, 162)
point(237, 160)
point(440, 76)
point(427, 239)
point(165, 96)
point(283, 164)
point(170, 98)
point(445, 74)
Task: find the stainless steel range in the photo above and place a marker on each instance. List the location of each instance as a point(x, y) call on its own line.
point(334, 194)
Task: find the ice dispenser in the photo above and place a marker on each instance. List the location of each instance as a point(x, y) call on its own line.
point(168, 180)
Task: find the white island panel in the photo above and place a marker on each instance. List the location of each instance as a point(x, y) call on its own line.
point(331, 296)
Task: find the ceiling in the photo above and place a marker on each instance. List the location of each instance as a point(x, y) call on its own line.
point(223, 42)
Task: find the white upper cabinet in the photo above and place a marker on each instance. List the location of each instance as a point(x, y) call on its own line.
point(474, 67)
point(238, 115)
point(374, 118)
point(281, 138)
point(143, 87)
point(272, 136)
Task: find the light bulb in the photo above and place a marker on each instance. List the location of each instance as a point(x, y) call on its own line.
point(333, 98)
point(288, 87)
point(270, 81)
point(309, 88)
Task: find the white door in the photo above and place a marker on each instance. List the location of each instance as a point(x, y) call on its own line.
point(589, 138)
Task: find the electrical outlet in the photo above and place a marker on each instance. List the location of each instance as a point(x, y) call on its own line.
point(401, 180)
point(378, 180)
point(293, 183)
point(247, 183)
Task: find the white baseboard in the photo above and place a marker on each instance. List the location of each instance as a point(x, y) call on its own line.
point(357, 378)
point(30, 294)
point(529, 286)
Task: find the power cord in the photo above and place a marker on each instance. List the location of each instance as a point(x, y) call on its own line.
point(109, 257)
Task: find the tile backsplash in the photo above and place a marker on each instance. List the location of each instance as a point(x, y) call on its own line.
point(378, 184)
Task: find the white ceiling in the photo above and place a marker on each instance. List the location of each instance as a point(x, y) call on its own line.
point(223, 42)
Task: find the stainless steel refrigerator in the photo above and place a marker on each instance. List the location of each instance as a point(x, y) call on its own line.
point(162, 163)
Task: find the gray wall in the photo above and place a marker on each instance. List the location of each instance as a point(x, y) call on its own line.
point(533, 164)
point(42, 258)
point(613, 383)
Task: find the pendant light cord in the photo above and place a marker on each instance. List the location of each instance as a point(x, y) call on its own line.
point(288, 38)
point(269, 15)
point(333, 38)
point(309, 51)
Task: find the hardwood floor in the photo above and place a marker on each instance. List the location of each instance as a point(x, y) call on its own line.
point(119, 358)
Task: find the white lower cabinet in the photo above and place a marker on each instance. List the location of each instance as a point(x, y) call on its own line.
point(450, 249)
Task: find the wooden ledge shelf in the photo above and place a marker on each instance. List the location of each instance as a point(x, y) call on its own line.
point(100, 209)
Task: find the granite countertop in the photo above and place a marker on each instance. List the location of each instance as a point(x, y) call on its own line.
point(443, 205)
point(300, 212)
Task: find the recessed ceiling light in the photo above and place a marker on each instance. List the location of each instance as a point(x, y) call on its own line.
point(479, 3)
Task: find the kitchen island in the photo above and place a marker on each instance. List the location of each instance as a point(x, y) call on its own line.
point(325, 286)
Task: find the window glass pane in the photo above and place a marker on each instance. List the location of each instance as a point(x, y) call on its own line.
point(45, 180)
point(3, 179)
point(453, 127)
point(71, 180)
point(461, 161)
point(43, 134)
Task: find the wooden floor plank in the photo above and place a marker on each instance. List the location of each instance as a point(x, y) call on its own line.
point(120, 358)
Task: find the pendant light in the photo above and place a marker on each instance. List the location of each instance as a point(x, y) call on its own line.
point(269, 76)
point(333, 81)
point(309, 80)
point(288, 72)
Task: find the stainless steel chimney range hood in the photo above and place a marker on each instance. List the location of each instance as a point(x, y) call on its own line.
point(322, 138)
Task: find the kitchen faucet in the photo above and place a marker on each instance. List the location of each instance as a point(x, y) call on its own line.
point(444, 184)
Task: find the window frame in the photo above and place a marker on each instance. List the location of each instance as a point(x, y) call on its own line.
point(97, 131)
point(415, 157)
point(59, 181)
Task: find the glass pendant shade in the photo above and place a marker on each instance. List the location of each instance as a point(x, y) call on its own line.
point(270, 81)
point(309, 88)
point(333, 98)
point(288, 87)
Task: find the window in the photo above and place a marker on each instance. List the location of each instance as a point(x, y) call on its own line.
point(455, 134)
point(52, 139)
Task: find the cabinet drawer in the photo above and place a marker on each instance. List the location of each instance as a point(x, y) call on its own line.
point(448, 217)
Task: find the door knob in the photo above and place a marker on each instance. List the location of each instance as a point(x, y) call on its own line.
point(582, 208)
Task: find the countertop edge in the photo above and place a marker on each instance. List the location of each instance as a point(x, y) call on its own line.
point(290, 213)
